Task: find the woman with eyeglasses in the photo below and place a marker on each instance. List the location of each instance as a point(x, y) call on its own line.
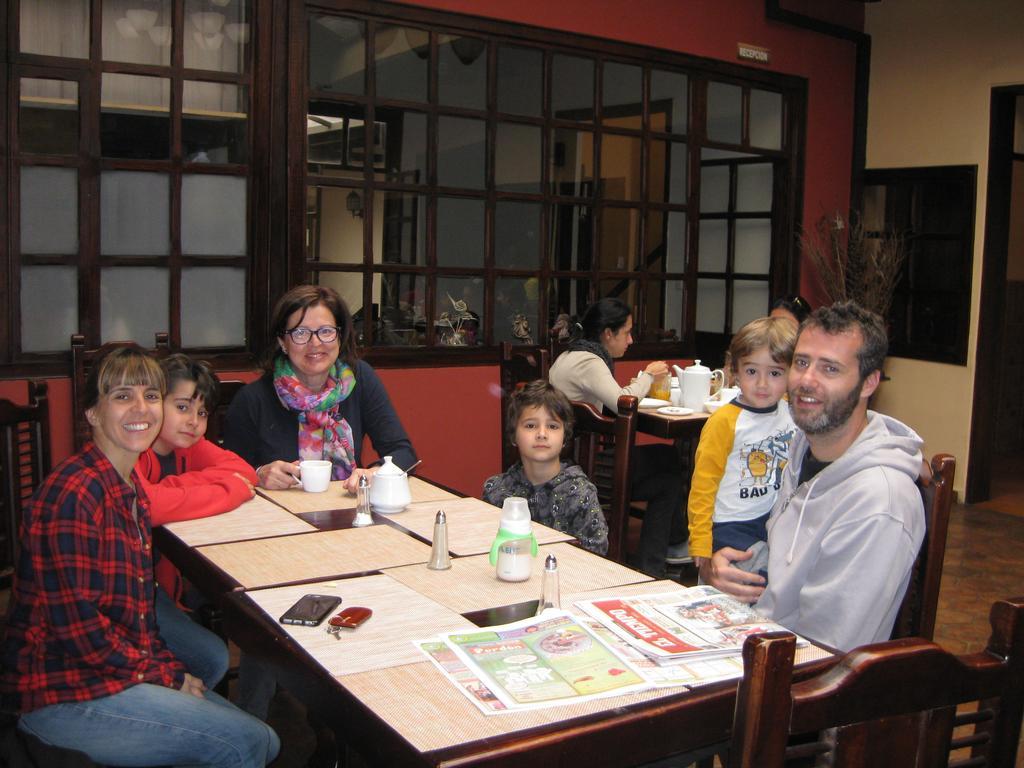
point(316, 399)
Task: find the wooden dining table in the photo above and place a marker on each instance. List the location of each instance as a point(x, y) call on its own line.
point(374, 688)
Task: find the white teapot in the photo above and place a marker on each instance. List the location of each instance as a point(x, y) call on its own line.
point(389, 491)
point(695, 384)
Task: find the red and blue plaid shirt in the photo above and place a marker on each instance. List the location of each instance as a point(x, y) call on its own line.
point(81, 624)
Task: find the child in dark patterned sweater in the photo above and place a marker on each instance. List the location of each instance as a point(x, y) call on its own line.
point(558, 492)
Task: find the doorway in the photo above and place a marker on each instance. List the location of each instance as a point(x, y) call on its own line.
point(997, 423)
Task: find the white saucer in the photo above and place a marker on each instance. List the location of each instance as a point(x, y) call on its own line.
point(653, 402)
point(712, 405)
point(675, 410)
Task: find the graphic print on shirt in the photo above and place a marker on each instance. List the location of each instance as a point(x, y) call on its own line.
point(764, 462)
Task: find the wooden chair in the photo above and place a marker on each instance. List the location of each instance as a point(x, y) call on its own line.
point(886, 705)
point(81, 363)
point(603, 447)
point(215, 424)
point(24, 462)
point(916, 617)
point(519, 365)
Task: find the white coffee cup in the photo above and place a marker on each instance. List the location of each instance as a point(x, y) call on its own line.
point(315, 475)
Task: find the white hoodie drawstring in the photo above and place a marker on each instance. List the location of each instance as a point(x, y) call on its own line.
point(799, 521)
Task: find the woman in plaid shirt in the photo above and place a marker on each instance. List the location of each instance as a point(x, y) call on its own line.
point(84, 662)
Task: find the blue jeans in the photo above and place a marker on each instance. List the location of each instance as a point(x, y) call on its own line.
point(199, 649)
point(148, 725)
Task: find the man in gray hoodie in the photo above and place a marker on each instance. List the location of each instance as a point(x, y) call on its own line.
point(849, 519)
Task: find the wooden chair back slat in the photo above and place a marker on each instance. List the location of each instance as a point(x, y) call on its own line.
point(215, 424)
point(519, 365)
point(603, 447)
point(886, 704)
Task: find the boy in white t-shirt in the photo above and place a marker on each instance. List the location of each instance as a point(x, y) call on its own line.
point(744, 447)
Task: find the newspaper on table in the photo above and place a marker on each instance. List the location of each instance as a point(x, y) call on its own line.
point(681, 626)
point(539, 662)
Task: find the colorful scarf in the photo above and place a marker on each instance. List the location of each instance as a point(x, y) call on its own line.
point(322, 435)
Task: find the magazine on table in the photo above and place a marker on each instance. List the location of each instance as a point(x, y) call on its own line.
point(682, 625)
point(538, 662)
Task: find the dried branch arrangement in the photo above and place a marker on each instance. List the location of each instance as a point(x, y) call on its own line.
point(853, 265)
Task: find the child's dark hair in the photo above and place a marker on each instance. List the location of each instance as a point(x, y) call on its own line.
point(179, 367)
point(538, 394)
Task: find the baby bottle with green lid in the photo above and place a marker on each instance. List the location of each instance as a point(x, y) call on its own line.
point(515, 546)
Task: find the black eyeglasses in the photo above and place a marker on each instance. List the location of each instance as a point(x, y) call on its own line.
point(302, 335)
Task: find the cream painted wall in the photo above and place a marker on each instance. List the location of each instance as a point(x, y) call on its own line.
point(933, 65)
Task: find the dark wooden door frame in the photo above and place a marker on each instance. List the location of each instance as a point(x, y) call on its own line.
point(993, 290)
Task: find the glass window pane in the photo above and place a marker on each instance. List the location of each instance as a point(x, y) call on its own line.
point(459, 318)
point(666, 241)
point(48, 116)
point(462, 71)
point(212, 307)
point(658, 324)
point(567, 298)
point(725, 112)
point(714, 245)
point(54, 27)
point(519, 80)
point(134, 216)
point(754, 187)
point(873, 208)
point(620, 167)
point(669, 103)
point(673, 293)
point(134, 117)
point(404, 230)
point(517, 164)
point(405, 153)
point(666, 173)
point(133, 303)
point(622, 95)
point(49, 308)
point(572, 88)
point(214, 123)
point(49, 210)
point(623, 289)
point(334, 234)
point(516, 310)
point(337, 54)
point(401, 319)
point(461, 145)
point(136, 32)
point(516, 235)
point(714, 189)
point(765, 119)
point(349, 286)
point(213, 215)
point(335, 139)
point(401, 58)
point(753, 251)
point(460, 232)
point(216, 36)
point(749, 302)
point(572, 162)
point(620, 238)
point(572, 240)
point(711, 306)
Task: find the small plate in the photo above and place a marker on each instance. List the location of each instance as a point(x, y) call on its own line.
point(675, 410)
point(712, 405)
point(653, 402)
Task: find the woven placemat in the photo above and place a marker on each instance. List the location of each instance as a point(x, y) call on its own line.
point(472, 524)
point(256, 518)
point(336, 497)
point(471, 585)
point(285, 559)
point(400, 616)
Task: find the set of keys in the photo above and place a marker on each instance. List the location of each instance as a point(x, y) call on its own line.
point(348, 618)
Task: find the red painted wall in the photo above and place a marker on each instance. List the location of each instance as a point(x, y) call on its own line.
point(452, 414)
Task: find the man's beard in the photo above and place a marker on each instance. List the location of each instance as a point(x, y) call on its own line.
point(834, 413)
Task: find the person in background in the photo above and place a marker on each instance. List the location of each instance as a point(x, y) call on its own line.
point(316, 400)
point(187, 477)
point(794, 308)
point(585, 372)
point(744, 447)
point(560, 496)
point(84, 662)
point(848, 520)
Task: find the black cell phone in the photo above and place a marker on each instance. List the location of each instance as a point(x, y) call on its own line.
point(310, 610)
